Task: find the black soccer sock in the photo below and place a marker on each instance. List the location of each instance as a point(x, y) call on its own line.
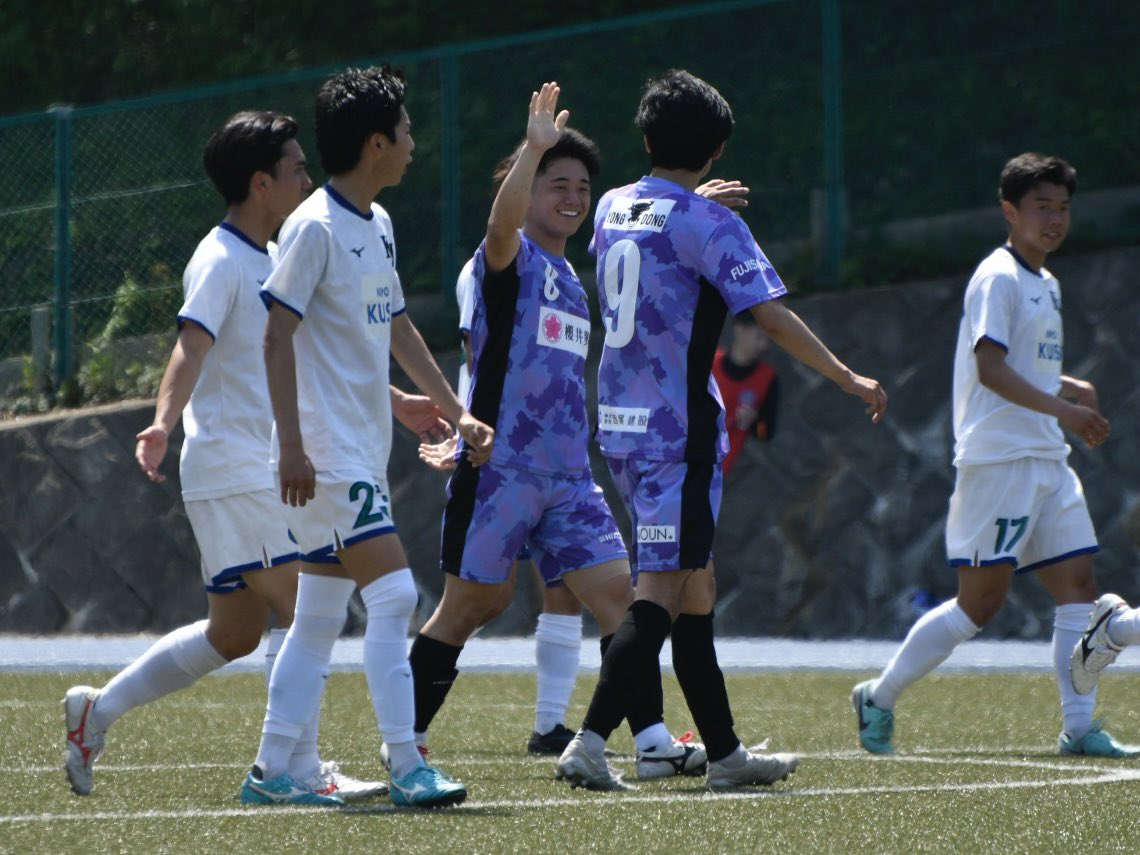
point(649, 704)
point(631, 662)
point(433, 673)
point(697, 670)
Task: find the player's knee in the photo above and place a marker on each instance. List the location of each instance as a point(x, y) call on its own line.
point(982, 609)
point(233, 642)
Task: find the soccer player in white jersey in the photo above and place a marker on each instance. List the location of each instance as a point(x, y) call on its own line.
point(671, 264)
point(336, 315)
point(1017, 506)
point(558, 632)
point(214, 382)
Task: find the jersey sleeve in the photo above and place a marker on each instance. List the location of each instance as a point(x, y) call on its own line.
point(465, 295)
point(989, 306)
point(736, 266)
point(210, 288)
point(303, 254)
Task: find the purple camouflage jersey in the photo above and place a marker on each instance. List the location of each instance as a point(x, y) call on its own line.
point(530, 331)
point(671, 264)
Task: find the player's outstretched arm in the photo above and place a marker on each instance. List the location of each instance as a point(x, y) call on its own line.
point(297, 479)
point(412, 354)
point(544, 127)
point(788, 330)
point(178, 382)
point(420, 415)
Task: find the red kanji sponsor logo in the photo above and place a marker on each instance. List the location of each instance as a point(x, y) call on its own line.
point(552, 327)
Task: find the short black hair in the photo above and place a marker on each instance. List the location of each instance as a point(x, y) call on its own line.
point(353, 105)
point(684, 119)
point(1024, 172)
point(248, 142)
point(572, 143)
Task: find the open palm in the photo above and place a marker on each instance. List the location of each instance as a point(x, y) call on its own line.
point(544, 126)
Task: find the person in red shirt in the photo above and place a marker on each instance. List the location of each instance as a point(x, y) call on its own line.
point(748, 385)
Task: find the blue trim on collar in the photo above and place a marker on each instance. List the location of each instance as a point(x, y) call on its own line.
point(1018, 258)
point(344, 203)
point(242, 236)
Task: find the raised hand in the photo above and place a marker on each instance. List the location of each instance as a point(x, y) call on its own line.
point(544, 126)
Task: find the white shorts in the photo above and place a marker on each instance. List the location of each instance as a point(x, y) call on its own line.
point(237, 534)
point(346, 510)
point(1029, 512)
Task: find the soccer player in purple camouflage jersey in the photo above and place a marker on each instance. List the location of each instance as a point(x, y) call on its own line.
point(670, 266)
point(529, 338)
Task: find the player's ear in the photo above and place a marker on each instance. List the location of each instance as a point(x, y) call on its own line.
point(645, 140)
point(1009, 211)
point(719, 151)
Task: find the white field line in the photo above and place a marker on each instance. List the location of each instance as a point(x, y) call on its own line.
point(1081, 776)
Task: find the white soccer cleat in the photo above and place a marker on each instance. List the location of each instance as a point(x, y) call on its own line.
point(743, 768)
point(583, 768)
point(84, 740)
point(1095, 651)
point(330, 781)
point(681, 757)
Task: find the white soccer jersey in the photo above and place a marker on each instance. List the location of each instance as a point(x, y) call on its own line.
point(465, 297)
point(227, 421)
point(1021, 311)
point(337, 271)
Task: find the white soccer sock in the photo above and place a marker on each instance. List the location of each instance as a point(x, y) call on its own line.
point(175, 661)
point(1069, 623)
point(653, 737)
point(930, 641)
point(390, 601)
point(299, 673)
point(557, 651)
point(1124, 627)
point(328, 595)
point(272, 648)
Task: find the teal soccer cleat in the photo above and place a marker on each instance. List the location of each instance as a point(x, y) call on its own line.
point(283, 790)
point(876, 725)
point(1098, 742)
point(426, 786)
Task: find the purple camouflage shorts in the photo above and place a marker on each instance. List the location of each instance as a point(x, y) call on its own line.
point(492, 511)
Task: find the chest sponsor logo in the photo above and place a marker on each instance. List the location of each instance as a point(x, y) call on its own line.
point(376, 295)
point(639, 214)
point(1051, 349)
point(623, 419)
point(564, 331)
point(656, 534)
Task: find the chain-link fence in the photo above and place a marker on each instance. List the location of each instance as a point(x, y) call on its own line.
point(851, 119)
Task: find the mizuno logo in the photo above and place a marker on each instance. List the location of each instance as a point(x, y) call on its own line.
point(357, 252)
point(1035, 300)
